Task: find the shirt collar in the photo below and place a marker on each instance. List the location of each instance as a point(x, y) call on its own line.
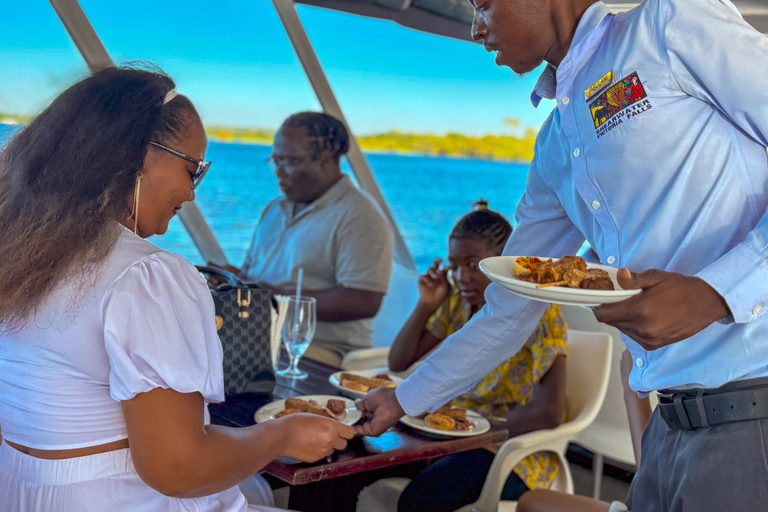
point(546, 86)
point(336, 191)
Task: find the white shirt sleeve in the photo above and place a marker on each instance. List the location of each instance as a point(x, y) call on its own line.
point(500, 329)
point(160, 330)
point(717, 57)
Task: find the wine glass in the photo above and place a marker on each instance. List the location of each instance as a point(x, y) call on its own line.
point(298, 330)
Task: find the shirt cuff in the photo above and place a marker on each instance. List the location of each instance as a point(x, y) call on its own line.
point(739, 277)
point(409, 400)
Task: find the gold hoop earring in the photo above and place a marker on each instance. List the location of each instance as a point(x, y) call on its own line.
point(136, 191)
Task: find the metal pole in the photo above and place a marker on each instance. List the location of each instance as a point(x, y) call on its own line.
point(301, 44)
point(92, 49)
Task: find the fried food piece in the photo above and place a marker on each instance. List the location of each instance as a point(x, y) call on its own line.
point(591, 279)
point(354, 386)
point(383, 376)
point(597, 279)
point(336, 406)
point(457, 413)
point(287, 412)
point(321, 411)
point(440, 421)
point(367, 381)
point(310, 406)
point(297, 403)
point(555, 271)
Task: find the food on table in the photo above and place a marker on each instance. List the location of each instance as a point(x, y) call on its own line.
point(354, 386)
point(336, 406)
point(440, 421)
point(457, 413)
point(287, 412)
point(570, 271)
point(296, 405)
point(448, 417)
point(365, 384)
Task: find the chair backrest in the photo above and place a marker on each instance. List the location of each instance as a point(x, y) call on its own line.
point(586, 380)
point(589, 365)
point(397, 305)
point(609, 434)
point(366, 359)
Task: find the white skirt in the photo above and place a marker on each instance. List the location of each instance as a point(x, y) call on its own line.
point(105, 481)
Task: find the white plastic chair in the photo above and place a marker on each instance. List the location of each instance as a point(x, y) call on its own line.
point(589, 365)
point(366, 359)
point(395, 309)
point(609, 435)
point(589, 359)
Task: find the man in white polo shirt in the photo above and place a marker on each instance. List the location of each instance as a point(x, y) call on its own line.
point(328, 227)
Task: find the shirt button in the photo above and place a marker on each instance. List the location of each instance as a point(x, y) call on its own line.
point(611, 260)
point(596, 205)
point(566, 100)
point(757, 310)
point(639, 362)
point(576, 152)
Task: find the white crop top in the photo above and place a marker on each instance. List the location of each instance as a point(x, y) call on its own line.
point(148, 322)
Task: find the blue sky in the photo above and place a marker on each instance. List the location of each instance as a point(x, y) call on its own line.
point(232, 58)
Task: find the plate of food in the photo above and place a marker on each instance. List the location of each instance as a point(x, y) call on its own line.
point(570, 280)
point(449, 421)
point(336, 407)
point(358, 384)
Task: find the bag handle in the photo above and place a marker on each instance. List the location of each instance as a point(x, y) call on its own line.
point(229, 277)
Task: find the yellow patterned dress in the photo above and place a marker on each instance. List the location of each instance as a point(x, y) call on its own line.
point(512, 383)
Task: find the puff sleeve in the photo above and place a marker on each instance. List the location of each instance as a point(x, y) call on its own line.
point(160, 330)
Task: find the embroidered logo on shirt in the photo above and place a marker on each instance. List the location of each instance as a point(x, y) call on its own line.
point(624, 93)
point(598, 86)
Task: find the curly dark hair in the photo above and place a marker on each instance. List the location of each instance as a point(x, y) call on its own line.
point(483, 224)
point(67, 177)
point(326, 133)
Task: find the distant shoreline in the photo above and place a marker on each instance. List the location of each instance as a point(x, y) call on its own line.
point(493, 148)
point(380, 151)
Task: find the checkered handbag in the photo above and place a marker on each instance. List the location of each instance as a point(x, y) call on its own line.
point(243, 322)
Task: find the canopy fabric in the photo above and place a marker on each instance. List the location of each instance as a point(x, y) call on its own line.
point(453, 18)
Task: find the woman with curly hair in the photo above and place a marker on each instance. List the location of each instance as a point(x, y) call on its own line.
point(108, 344)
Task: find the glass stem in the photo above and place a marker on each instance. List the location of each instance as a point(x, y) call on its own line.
point(293, 365)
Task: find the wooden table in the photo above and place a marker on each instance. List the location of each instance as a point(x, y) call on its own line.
point(324, 485)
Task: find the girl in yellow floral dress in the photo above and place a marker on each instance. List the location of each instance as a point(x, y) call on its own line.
point(528, 389)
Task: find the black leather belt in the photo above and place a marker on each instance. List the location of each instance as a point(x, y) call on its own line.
point(694, 409)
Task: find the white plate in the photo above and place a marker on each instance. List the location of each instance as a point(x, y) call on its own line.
point(481, 426)
point(349, 417)
point(499, 269)
point(335, 381)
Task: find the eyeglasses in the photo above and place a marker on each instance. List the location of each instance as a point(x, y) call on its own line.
point(202, 167)
point(286, 162)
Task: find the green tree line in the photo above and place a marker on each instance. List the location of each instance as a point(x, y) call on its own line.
point(497, 147)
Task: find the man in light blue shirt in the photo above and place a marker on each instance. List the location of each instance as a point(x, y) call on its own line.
point(656, 155)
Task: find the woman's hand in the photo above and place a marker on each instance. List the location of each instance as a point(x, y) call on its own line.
point(309, 438)
point(434, 286)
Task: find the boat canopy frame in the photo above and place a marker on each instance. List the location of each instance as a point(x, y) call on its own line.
point(451, 18)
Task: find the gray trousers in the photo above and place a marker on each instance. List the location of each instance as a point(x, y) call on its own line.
point(722, 468)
